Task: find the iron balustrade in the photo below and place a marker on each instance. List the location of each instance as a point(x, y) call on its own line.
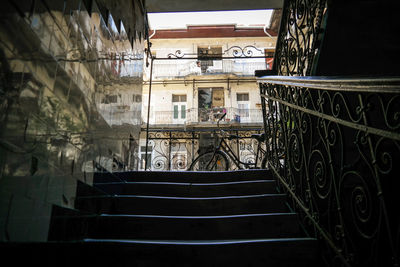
point(334, 147)
point(300, 36)
point(180, 68)
point(175, 149)
point(195, 116)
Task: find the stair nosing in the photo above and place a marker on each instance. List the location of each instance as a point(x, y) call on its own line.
point(199, 217)
point(184, 172)
point(183, 198)
point(187, 184)
point(197, 242)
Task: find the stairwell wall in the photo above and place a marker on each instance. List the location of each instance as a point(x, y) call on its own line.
point(70, 103)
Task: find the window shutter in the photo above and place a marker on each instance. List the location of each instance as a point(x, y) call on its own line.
point(183, 111)
point(176, 111)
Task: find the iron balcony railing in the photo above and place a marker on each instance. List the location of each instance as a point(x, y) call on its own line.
point(181, 68)
point(334, 147)
point(205, 116)
point(174, 150)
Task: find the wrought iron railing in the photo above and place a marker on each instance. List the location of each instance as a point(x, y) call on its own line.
point(175, 69)
point(299, 37)
point(195, 116)
point(176, 149)
point(334, 146)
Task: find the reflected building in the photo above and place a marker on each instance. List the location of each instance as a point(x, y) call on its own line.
point(70, 103)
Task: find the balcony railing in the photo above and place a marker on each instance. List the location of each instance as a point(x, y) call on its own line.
point(334, 146)
point(175, 150)
point(181, 68)
point(206, 116)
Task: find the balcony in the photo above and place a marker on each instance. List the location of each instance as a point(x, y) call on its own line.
point(175, 149)
point(203, 116)
point(182, 68)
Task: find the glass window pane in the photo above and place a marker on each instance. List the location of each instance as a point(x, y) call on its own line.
point(178, 98)
point(242, 97)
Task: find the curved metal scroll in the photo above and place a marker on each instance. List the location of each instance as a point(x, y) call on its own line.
point(335, 152)
point(246, 51)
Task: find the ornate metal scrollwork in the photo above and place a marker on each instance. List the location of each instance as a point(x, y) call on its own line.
point(175, 150)
point(297, 42)
point(237, 52)
point(246, 51)
point(336, 151)
point(177, 54)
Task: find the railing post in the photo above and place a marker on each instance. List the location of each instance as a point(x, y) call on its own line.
point(193, 152)
point(169, 151)
point(238, 145)
point(148, 114)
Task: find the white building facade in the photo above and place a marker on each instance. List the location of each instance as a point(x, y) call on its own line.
point(197, 79)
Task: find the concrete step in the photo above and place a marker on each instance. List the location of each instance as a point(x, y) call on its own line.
point(242, 226)
point(196, 227)
point(240, 188)
point(182, 206)
point(183, 177)
point(283, 252)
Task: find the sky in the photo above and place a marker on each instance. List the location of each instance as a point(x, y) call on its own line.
point(182, 19)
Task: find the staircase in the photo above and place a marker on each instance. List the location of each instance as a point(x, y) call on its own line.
point(179, 219)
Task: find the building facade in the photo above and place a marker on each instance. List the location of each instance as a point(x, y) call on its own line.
point(199, 74)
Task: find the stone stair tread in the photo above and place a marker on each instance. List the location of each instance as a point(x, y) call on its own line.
point(193, 217)
point(181, 176)
point(283, 252)
point(186, 183)
point(200, 242)
point(189, 189)
point(161, 205)
point(196, 227)
point(184, 198)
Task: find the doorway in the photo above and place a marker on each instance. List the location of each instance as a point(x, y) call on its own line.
point(211, 103)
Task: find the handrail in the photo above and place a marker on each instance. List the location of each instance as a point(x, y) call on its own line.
point(355, 84)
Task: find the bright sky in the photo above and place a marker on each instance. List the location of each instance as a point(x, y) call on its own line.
point(182, 19)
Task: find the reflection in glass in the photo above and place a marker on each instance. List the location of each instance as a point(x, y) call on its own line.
point(70, 104)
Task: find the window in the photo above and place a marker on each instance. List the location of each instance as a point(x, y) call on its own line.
point(178, 98)
point(136, 98)
point(242, 96)
point(269, 58)
point(243, 105)
point(210, 58)
point(211, 103)
point(179, 108)
point(108, 99)
point(209, 53)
